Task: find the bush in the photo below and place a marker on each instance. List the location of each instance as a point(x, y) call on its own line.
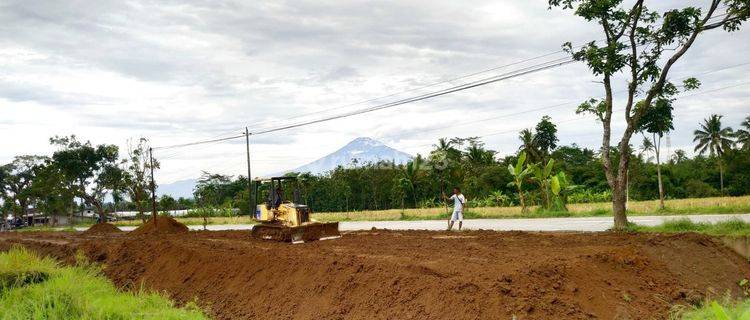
point(589, 196)
point(211, 212)
point(699, 189)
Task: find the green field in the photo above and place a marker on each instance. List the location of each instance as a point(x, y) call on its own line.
point(32, 287)
point(716, 205)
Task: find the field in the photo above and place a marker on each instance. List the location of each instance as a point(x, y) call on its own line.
point(717, 205)
point(413, 274)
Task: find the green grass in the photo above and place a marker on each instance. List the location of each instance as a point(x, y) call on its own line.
point(733, 227)
point(717, 311)
point(75, 292)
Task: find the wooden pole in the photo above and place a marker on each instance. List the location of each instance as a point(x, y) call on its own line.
point(250, 202)
point(153, 185)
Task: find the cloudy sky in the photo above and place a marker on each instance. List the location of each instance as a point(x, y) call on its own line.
point(180, 71)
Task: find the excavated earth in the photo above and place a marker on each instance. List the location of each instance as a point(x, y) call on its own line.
point(414, 274)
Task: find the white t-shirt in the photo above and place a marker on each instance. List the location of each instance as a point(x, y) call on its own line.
point(458, 202)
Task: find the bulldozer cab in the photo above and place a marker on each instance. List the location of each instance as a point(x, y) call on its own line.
point(280, 219)
point(277, 192)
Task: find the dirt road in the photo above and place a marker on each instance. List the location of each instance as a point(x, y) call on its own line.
point(414, 274)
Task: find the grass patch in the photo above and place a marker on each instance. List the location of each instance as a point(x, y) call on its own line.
point(732, 227)
point(77, 292)
point(715, 310)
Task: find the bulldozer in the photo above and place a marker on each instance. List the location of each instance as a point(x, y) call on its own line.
point(287, 221)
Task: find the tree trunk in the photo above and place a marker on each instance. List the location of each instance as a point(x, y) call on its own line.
point(658, 173)
point(618, 207)
point(520, 197)
point(721, 176)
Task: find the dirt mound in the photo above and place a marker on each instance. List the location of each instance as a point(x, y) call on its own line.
point(102, 228)
point(163, 225)
point(418, 274)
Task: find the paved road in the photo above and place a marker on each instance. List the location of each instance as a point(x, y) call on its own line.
point(539, 224)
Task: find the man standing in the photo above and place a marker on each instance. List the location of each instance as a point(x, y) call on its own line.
point(459, 202)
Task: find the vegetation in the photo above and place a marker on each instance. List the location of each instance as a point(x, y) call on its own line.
point(727, 310)
point(39, 288)
point(643, 45)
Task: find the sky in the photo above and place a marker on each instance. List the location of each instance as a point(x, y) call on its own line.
point(183, 71)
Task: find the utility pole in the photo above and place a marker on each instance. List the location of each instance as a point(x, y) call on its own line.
point(153, 185)
point(250, 202)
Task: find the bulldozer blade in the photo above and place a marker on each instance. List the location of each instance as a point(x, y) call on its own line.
point(300, 234)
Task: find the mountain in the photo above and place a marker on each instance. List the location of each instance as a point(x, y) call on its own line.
point(362, 149)
point(177, 189)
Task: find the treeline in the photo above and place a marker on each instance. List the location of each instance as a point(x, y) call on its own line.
point(79, 174)
point(723, 158)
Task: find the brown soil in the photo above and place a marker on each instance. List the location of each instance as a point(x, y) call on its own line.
point(416, 274)
point(102, 228)
point(162, 225)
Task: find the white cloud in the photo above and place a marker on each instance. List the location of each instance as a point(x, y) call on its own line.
point(179, 71)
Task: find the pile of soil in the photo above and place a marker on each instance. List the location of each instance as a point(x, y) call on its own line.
point(418, 274)
point(102, 228)
point(163, 225)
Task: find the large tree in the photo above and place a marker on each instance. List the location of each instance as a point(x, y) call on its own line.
point(17, 177)
point(657, 121)
point(137, 176)
point(90, 171)
point(643, 45)
point(715, 140)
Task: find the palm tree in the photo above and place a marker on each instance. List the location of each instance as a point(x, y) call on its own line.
point(715, 140)
point(743, 135)
point(529, 145)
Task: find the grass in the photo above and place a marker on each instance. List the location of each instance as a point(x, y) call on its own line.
point(75, 292)
point(716, 310)
point(716, 205)
point(195, 221)
point(732, 227)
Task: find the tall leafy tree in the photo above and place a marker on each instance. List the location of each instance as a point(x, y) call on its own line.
point(90, 171)
point(657, 121)
point(644, 45)
point(53, 197)
point(137, 176)
point(17, 178)
point(545, 137)
point(715, 140)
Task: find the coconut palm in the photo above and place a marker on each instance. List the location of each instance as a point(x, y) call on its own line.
point(529, 145)
point(715, 140)
point(743, 135)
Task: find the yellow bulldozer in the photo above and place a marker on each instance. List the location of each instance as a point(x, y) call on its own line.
point(288, 221)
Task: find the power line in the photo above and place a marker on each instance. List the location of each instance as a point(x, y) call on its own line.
point(481, 82)
point(556, 63)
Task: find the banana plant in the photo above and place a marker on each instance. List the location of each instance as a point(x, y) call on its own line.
point(542, 176)
point(519, 173)
point(560, 187)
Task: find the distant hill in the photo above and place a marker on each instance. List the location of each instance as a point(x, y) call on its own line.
point(363, 149)
point(177, 189)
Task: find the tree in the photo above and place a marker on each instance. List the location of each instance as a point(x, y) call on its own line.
point(519, 173)
point(137, 176)
point(545, 137)
point(529, 145)
point(657, 120)
point(644, 45)
point(167, 203)
point(17, 178)
point(89, 171)
point(53, 197)
point(743, 135)
point(715, 140)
